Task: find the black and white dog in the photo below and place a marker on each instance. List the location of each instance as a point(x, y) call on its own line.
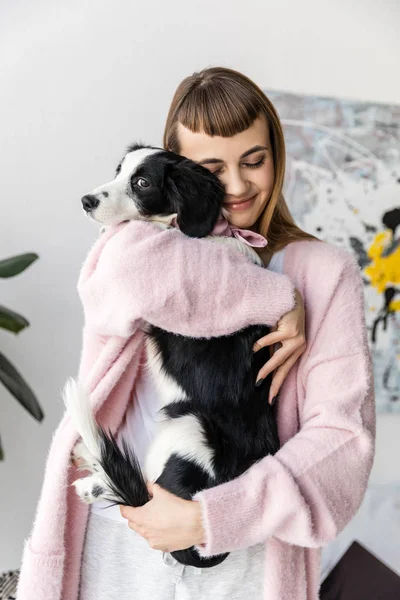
point(215, 422)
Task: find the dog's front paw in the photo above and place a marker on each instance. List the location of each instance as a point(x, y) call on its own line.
point(90, 489)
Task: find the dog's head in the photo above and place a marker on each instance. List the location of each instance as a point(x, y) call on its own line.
point(151, 181)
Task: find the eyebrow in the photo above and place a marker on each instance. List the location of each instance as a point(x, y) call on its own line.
point(219, 160)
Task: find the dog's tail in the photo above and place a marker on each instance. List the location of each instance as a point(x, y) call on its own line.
point(124, 475)
point(120, 464)
point(77, 403)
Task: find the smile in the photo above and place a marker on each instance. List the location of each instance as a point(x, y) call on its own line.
point(240, 205)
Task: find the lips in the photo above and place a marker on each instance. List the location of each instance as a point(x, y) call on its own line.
point(241, 205)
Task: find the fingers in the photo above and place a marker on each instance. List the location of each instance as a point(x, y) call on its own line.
point(292, 345)
point(280, 376)
point(271, 338)
point(138, 528)
point(278, 336)
point(128, 512)
point(281, 362)
point(279, 357)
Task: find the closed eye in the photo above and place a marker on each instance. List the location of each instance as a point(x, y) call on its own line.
point(247, 165)
point(255, 165)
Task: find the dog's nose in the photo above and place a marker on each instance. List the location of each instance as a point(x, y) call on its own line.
point(89, 202)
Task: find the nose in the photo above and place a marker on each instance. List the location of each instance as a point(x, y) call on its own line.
point(89, 202)
point(235, 184)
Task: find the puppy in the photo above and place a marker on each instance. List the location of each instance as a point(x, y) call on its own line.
point(215, 423)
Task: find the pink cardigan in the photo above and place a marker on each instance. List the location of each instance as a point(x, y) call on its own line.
point(295, 501)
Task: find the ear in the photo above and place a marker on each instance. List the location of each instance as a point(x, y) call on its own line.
point(195, 194)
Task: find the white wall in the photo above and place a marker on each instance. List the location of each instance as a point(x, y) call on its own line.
point(81, 80)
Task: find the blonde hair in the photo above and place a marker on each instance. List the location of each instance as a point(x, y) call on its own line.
point(223, 102)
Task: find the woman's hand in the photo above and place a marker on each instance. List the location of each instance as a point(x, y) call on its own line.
point(290, 332)
point(167, 522)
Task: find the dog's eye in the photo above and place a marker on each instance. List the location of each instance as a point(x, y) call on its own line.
point(142, 182)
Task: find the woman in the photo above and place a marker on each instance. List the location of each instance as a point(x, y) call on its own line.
point(275, 518)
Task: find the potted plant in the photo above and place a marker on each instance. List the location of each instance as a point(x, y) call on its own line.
point(12, 321)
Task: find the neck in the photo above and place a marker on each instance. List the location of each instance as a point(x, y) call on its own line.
point(265, 254)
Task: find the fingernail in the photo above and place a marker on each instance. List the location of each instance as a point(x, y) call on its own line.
point(273, 400)
point(259, 382)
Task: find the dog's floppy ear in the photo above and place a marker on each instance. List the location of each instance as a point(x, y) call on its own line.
point(195, 194)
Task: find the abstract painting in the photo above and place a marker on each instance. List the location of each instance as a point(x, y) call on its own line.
point(342, 185)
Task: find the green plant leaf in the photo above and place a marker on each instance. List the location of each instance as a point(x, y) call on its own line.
point(16, 264)
point(11, 320)
point(14, 382)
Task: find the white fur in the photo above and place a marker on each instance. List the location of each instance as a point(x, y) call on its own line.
point(86, 486)
point(78, 406)
point(168, 390)
point(116, 201)
point(183, 436)
point(87, 451)
point(86, 459)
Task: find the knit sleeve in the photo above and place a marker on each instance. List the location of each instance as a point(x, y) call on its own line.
point(136, 272)
point(310, 489)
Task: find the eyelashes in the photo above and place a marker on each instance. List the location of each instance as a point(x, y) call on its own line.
point(248, 165)
point(257, 164)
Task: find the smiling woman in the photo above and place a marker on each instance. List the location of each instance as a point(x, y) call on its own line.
point(248, 176)
point(223, 120)
point(276, 516)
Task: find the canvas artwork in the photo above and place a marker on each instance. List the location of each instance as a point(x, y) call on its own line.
point(343, 185)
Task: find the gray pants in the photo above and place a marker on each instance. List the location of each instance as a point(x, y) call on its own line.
point(119, 563)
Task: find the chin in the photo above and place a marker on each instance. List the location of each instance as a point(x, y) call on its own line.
point(244, 220)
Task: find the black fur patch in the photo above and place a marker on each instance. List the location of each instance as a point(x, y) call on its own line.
point(97, 491)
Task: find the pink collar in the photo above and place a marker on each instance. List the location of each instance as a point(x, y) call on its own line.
point(251, 238)
point(225, 229)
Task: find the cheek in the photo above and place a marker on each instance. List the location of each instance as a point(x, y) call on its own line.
point(115, 208)
point(264, 178)
point(126, 205)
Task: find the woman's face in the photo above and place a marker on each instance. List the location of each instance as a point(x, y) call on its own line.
point(243, 163)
